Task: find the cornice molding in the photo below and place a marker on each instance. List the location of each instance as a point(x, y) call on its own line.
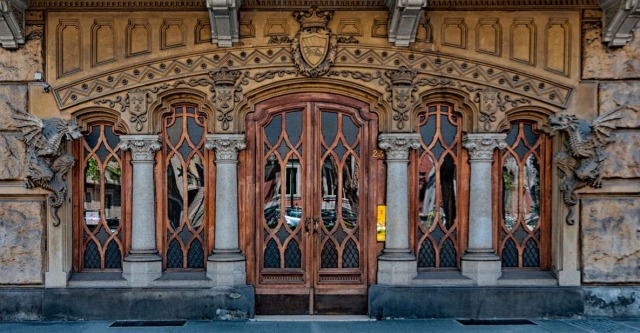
point(619, 19)
point(304, 4)
point(12, 28)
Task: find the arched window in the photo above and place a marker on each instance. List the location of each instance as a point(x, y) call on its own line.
point(100, 211)
point(436, 170)
point(523, 197)
point(185, 173)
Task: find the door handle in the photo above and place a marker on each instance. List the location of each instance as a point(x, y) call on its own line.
point(316, 224)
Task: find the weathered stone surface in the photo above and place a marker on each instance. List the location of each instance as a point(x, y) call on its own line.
point(612, 301)
point(611, 240)
point(13, 157)
point(21, 242)
point(16, 95)
point(600, 62)
point(612, 95)
point(21, 64)
point(623, 159)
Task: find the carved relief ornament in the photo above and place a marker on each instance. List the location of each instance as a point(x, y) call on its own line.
point(314, 47)
point(225, 88)
point(482, 145)
point(48, 164)
point(581, 163)
point(397, 145)
point(226, 146)
point(143, 147)
point(401, 93)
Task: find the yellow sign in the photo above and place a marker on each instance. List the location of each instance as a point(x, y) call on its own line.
point(381, 223)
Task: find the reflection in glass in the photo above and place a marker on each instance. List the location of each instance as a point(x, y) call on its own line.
point(531, 195)
point(427, 191)
point(174, 192)
point(448, 190)
point(510, 180)
point(350, 192)
point(329, 192)
point(112, 192)
point(271, 191)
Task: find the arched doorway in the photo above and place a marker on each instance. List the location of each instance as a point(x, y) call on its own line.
point(311, 184)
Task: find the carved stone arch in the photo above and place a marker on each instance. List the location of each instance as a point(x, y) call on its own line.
point(460, 101)
point(85, 117)
point(322, 86)
point(164, 101)
point(536, 114)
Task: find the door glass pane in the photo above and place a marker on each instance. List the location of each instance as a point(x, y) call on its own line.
point(195, 189)
point(175, 206)
point(427, 191)
point(271, 190)
point(112, 194)
point(329, 192)
point(350, 192)
point(510, 185)
point(531, 195)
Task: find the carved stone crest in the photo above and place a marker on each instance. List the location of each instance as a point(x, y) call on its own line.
point(401, 93)
point(224, 85)
point(48, 164)
point(488, 107)
point(138, 100)
point(314, 47)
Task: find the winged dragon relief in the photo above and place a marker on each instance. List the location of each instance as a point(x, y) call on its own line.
point(580, 165)
point(47, 162)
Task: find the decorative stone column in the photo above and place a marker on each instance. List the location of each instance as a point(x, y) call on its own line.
point(143, 264)
point(226, 265)
point(397, 265)
point(480, 262)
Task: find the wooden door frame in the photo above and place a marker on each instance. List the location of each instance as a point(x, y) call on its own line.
point(248, 167)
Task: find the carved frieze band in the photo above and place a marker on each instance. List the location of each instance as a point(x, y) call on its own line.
point(143, 147)
point(279, 58)
point(226, 146)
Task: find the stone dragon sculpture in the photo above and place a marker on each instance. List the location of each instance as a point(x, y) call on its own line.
point(47, 162)
point(580, 165)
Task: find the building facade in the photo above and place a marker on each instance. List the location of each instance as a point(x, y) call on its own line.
point(217, 159)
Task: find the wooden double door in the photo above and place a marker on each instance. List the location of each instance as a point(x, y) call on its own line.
point(310, 154)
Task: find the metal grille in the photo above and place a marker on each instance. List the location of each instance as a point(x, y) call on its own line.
point(350, 255)
point(339, 235)
point(292, 255)
point(271, 255)
point(329, 255)
point(282, 234)
point(448, 256)
point(510, 254)
point(174, 255)
point(112, 256)
point(531, 254)
point(427, 255)
point(195, 255)
point(91, 256)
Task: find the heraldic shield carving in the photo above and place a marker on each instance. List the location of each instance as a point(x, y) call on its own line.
point(314, 48)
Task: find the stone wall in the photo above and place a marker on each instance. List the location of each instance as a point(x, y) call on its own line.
point(22, 215)
point(21, 242)
point(610, 217)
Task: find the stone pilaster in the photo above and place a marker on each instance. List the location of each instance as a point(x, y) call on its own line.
point(226, 265)
point(397, 265)
point(480, 262)
point(143, 264)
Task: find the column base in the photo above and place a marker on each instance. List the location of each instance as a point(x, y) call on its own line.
point(227, 269)
point(56, 279)
point(140, 270)
point(396, 272)
point(568, 277)
point(483, 268)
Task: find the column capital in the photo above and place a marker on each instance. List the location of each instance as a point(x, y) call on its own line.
point(481, 145)
point(143, 147)
point(397, 145)
point(226, 146)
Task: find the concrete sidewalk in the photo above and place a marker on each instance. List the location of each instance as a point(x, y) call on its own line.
point(332, 325)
